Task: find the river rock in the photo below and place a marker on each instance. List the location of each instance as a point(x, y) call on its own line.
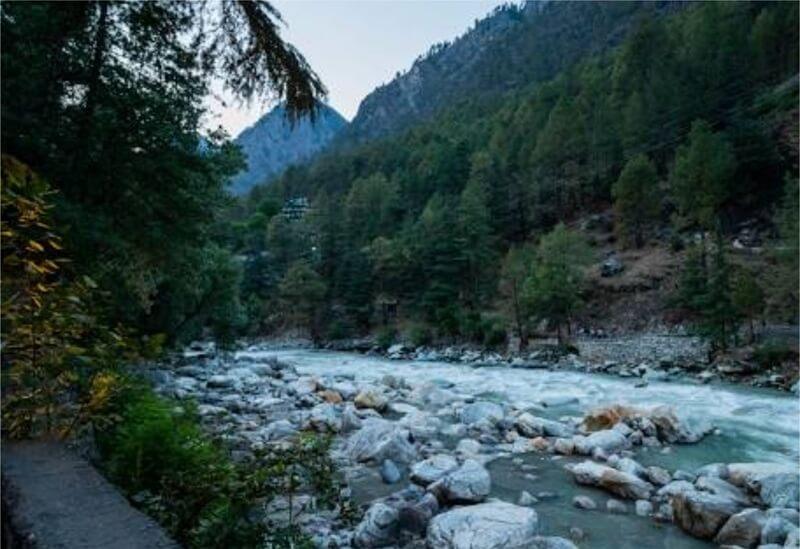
point(221, 382)
point(279, 430)
point(347, 389)
point(777, 485)
point(779, 524)
point(529, 425)
point(432, 469)
point(325, 418)
point(468, 447)
point(378, 528)
point(526, 499)
point(350, 419)
point(616, 506)
point(304, 386)
point(329, 395)
point(371, 399)
point(658, 475)
point(379, 439)
point(743, 529)
point(470, 483)
point(702, 514)
point(389, 472)
point(552, 542)
point(493, 525)
point(720, 487)
point(584, 502)
point(621, 484)
point(643, 508)
point(481, 411)
point(564, 446)
point(608, 441)
point(630, 466)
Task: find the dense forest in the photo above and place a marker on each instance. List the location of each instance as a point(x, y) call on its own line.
point(688, 126)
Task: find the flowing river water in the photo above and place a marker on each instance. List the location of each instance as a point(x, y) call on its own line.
point(753, 425)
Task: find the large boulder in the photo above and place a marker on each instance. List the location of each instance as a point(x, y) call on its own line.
point(702, 514)
point(378, 440)
point(325, 418)
point(432, 469)
point(378, 528)
point(470, 483)
point(624, 485)
point(608, 440)
point(482, 411)
point(671, 427)
point(529, 425)
point(493, 525)
point(776, 484)
point(721, 487)
point(743, 529)
point(779, 524)
point(372, 399)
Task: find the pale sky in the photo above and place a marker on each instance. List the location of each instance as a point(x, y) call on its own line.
point(357, 45)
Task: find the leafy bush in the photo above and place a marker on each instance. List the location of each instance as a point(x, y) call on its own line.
point(386, 337)
point(171, 469)
point(340, 329)
point(494, 335)
point(420, 334)
point(771, 353)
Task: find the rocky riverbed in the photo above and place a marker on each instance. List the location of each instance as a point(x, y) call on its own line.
point(442, 454)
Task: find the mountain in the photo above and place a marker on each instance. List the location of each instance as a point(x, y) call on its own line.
point(512, 48)
point(273, 144)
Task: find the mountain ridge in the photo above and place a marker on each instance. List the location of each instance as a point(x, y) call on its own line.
point(273, 143)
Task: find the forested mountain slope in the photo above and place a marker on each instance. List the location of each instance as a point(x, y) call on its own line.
point(685, 126)
point(273, 143)
point(514, 47)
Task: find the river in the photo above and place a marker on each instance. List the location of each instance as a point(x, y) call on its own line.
point(753, 425)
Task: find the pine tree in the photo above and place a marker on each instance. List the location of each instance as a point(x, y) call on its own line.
point(516, 269)
point(702, 175)
point(748, 299)
point(476, 241)
point(553, 291)
point(302, 292)
point(636, 198)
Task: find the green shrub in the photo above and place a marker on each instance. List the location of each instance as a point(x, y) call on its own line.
point(176, 473)
point(386, 337)
point(339, 329)
point(420, 334)
point(494, 335)
point(771, 353)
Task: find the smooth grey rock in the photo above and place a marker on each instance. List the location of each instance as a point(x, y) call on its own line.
point(468, 447)
point(279, 429)
point(350, 419)
point(720, 487)
point(584, 502)
point(389, 472)
point(777, 485)
point(379, 439)
point(674, 488)
point(658, 476)
point(432, 469)
point(470, 483)
point(618, 483)
point(779, 524)
point(492, 525)
point(643, 508)
point(378, 528)
point(631, 466)
point(552, 542)
point(702, 514)
point(529, 425)
point(743, 529)
point(372, 399)
point(616, 506)
point(325, 418)
point(607, 440)
point(526, 499)
point(481, 411)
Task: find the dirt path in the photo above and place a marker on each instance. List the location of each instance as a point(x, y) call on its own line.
point(54, 499)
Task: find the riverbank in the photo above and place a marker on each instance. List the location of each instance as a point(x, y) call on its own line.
point(646, 356)
point(445, 454)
